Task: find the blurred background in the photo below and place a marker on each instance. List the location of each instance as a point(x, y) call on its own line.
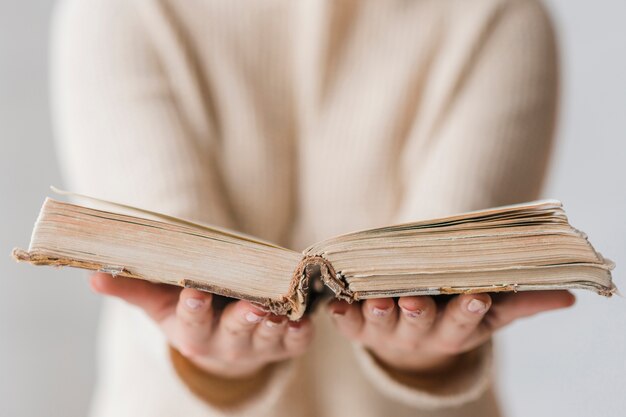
point(569, 363)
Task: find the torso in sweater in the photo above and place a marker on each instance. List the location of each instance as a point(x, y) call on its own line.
point(295, 121)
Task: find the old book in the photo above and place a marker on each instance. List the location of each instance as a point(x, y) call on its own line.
point(514, 248)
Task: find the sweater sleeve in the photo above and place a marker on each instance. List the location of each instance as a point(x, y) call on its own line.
point(465, 383)
point(235, 396)
point(494, 118)
point(126, 133)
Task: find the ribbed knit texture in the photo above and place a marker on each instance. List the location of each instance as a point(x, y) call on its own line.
point(295, 121)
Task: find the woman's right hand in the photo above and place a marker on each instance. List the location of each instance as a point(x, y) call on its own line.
point(234, 342)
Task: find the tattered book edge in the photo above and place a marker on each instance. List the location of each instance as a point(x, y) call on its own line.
point(294, 303)
point(577, 285)
point(284, 306)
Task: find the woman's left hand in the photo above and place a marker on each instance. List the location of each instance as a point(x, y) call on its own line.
point(415, 334)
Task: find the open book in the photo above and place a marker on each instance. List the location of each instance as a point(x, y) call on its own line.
point(514, 248)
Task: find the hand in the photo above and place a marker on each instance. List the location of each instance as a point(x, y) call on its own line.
point(233, 342)
point(418, 335)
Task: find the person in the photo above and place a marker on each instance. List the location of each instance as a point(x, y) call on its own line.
point(296, 121)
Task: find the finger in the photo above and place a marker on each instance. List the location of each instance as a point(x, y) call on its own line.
point(268, 336)
point(459, 320)
point(347, 317)
point(416, 318)
point(298, 337)
point(194, 322)
point(511, 306)
point(236, 326)
point(380, 315)
point(157, 300)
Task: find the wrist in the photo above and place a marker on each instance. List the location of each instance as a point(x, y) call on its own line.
point(214, 386)
point(425, 363)
point(225, 370)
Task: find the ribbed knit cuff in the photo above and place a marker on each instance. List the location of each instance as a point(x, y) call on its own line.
point(234, 396)
point(464, 383)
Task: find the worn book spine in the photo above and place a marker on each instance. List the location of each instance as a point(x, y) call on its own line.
point(295, 302)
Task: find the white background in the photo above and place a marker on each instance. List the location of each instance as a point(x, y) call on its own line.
point(570, 363)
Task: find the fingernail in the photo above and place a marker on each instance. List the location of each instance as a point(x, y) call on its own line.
point(272, 324)
point(411, 313)
point(338, 313)
point(253, 318)
point(477, 306)
point(338, 309)
point(294, 327)
point(381, 312)
point(194, 303)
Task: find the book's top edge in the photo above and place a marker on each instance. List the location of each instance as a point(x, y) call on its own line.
point(543, 203)
point(538, 205)
point(154, 216)
point(529, 206)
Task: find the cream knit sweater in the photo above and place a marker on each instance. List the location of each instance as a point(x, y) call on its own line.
point(294, 121)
